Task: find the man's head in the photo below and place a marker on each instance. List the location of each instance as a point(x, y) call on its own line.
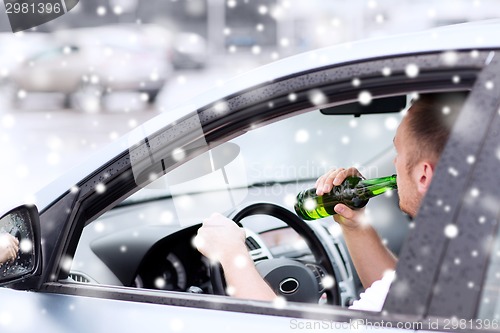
point(419, 141)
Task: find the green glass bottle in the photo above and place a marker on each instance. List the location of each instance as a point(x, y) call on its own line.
point(354, 192)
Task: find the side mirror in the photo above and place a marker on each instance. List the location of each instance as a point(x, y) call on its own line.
point(23, 224)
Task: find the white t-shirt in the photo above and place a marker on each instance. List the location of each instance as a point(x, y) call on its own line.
point(374, 297)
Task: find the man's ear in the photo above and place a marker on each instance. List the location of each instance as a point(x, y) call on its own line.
point(422, 174)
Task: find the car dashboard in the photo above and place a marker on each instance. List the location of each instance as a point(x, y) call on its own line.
point(162, 257)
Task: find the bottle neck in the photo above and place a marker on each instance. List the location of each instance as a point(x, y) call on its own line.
point(376, 186)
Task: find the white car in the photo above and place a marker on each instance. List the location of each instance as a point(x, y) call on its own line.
point(87, 63)
point(110, 247)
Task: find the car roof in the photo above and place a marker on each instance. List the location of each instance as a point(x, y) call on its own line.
point(466, 36)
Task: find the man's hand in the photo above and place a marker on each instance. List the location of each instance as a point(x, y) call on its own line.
point(369, 255)
point(220, 239)
point(9, 246)
point(345, 216)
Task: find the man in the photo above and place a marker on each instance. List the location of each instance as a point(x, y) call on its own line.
point(419, 141)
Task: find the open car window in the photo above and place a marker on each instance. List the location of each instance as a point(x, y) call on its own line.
point(149, 228)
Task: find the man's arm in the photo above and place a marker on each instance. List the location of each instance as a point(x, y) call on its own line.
point(371, 258)
point(221, 240)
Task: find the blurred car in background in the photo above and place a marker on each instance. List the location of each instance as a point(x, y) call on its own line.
point(86, 64)
point(14, 51)
point(189, 50)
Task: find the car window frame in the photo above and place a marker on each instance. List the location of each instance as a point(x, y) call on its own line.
point(448, 202)
point(89, 204)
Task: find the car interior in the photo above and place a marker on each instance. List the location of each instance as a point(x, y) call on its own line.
point(146, 241)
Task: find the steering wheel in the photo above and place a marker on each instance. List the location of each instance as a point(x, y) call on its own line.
point(289, 278)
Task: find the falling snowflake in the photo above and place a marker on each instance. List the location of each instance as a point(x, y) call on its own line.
point(26, 245)
point(335, 230)
point(113, 135)
point(345, 140)
point(100, 188)
point(160, 282)
point(181, 79)
point(240, 261)
point(489, 85)
point(123, 249)
point(256, 49)
point(451, 231)
point(317, 97)
point(197, 242)
point(118, 10)
point(474, 192)
point(154, 76)
point(153, 176)
point(66, 263)
point(99, 227)
point(279, 302)
point(471, 159)
point(292, 97)
point(132, 123)
point(310, 204)
point(356, 82)
point(290, 200)
point(21, 94)
point(221, 107)
point(452, 171)
point(178, 154)
point(455, 79)
point(391, 123)
point(167, 217)
point(231, 3)
point(481, 219)
point(263, 10)
point(284, 42)
point(259, 27)
point(301, 136)
point(230, 290)
point(457, 261)
point(386, 71)
point(328, 281)
point(412, 70)
point(353, 123)
point(449, 58)
point(365, 97)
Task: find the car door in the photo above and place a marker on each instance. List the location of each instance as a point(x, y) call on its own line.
point(455, 242)
point(122, 307)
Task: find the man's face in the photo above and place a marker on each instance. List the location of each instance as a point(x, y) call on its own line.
point(409, 197)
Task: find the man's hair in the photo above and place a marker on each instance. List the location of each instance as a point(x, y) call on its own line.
point(430, 119)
